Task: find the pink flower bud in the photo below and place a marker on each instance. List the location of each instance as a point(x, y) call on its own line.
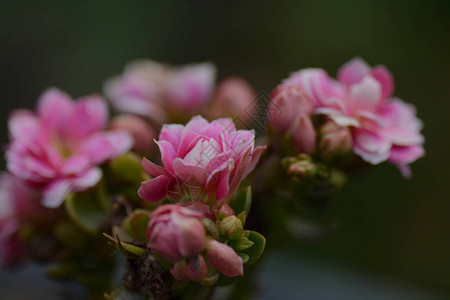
point(227, 210)
point(234, 98)
point(195, 269)
point(288, 102)
point(142, 133)
point(335, 140)
point(303, 135)
point(224, 259)
point(176, 232)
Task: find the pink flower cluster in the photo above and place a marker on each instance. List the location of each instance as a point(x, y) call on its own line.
point(151, 89)
point(177, 235)
point(383, 128)
point(60, 147)
point(204, 160)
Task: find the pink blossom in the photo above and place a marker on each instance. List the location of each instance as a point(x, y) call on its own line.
point(202, 160)
point(60, 147)
point(154, 90)
point(383, 128)
point(17, 204)
point(175, 232)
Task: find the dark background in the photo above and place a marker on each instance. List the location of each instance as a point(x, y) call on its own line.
point(396, 229)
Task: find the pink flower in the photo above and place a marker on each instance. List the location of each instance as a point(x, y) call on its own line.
point(17, 204)
point(175, 232)
point(154, 90)
point(206, 161)
point(191, 86)
point(383, 128)
point(60, 147)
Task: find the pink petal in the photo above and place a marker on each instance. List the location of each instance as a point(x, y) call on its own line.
point(87, 180)
point(155, 189)
point(106, 145)
point(384, 77)
point(353, 71)
point(55, 193)
point(168, 155)
point(190, 173)
point(152, 168)
point(54, 109)
point(75, 165)
point(172, 134)
point(23, 124)
point(365, 95)
point(372, 147)
point(89, 116)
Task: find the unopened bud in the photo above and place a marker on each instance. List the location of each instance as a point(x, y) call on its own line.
point(194, 269)
point(139, 129)
point(301, 166)
point(231, 227)
point(288, 102)
point(223, 258)
point(303, 135)
point(335, 141)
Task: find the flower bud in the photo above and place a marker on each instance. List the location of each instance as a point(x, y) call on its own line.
point(226, 210)
point(235, 98)
point(176, 232)
point(139, 129)
point(224, 259)
point(302, 166)
point(194, 269)
point(303, 135)
point(335, 140)
point(288, 102)
point(231, 227)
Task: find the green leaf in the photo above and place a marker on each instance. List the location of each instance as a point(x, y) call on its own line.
point(244, 257)
point(255, 251)
point(127, 168)
point(136, 225)
point(242, 202)
point(84, 211)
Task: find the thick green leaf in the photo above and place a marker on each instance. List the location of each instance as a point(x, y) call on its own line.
point(255, 251)
point(84, 211)
point(242, 202)
point(127, 168)
point(136, 225)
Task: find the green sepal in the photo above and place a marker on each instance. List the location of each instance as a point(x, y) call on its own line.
point(136, 225)
point(211, 280)
point(242, 202)
point(255, 251)
point(129, 250)
point(210, 227)
point(244, 257)
point(242, 244)
point(243, 217)
point(166, 265)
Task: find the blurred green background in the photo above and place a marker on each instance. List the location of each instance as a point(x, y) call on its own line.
point(389, 226)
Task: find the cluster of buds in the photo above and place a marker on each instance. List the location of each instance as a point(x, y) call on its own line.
point(194, 242)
